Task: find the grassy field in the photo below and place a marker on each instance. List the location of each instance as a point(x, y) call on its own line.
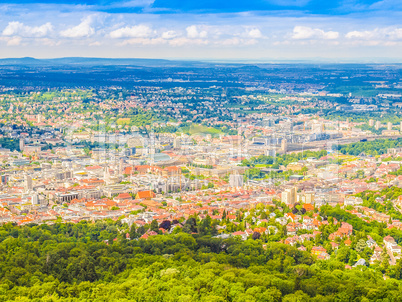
point(200, 129)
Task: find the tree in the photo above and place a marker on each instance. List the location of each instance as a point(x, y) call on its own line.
point(206, 227)
point(256, 235)
point(381, 230)
point(190, 225)
point(343, 254)
point(396, 271)
point(82, 269)
point(154, 226)
point(141, 231)
point(361, 245)
point(166, 224)
point(133, 232)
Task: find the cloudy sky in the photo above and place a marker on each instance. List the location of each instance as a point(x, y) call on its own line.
point(259, 30)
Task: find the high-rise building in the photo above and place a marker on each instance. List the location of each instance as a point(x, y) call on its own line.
point(121, 167)
point(235, 180)
point(389, 126)
point(371, 123)
point(285, 197)
point(289, 196)
point(4, 179)
point(28, 183)
point(309, 198)
point(22, 144)
point(377, 125)
point(176, 143)
point(293, 195)
point(284, 145)
point(35, 199)
point(132, 150)
point(270, 152)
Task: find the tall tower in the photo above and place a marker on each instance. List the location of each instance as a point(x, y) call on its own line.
point(284, 145)
point(28, 183)
point(22, 144)
point(293, 195)
point(107, 175)
point(121, 166)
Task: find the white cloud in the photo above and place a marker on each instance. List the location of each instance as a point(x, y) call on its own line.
point(304, 33)
point(386, 5)
point(137, 31)
point(19, 29)
point(361, 34)
point(84, 29)
point(231, 41)
point(194, 32)
point(137, 3)
point(376, 34)
point(187, 42)
point(14, 41)
point(49, 42)
point(96, 43)
point(255, 33)
point(396, 34)
point(175, 42)
point(143, 41)
point(170, 34)
point(236, 41)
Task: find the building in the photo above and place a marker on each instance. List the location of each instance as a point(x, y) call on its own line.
point(289, 196)
point(352, 201)
point(22, 144)
point(394, 150)
point(309, 198)
point(28, 183)
point(145, 195)
point(235, 180)
point(66, 197)
point(30, 149)
point(4, 179)
point(35, 199)
point(270, 152)
point(284, 145)
point(176, 143)
point(390, 132)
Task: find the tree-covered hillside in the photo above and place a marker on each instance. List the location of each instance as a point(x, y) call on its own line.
point(69, 262)
point(376, 147)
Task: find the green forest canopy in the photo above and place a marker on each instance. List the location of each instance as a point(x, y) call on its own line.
point(376, 147)
point(72, 262)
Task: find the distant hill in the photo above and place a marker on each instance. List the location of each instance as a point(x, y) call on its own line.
point(28, 61)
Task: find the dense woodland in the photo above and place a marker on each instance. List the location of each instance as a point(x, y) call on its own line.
point(73, 262)
point(376, 147)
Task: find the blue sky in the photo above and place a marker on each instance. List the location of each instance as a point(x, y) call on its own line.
point(259, 30)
